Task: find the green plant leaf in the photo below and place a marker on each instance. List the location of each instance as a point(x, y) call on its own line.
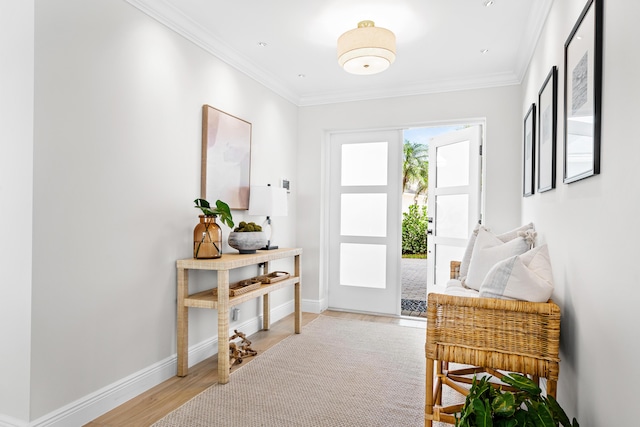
point(558, 412)
point(521, 417)
point(522, 383)
point(204, 207)
point(504, 404)
point(511, 422)
point(225, 213)
point(222, 210)
point(482, 410)
point(540, 414)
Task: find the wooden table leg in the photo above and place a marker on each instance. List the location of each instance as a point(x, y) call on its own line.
point(266, 312)
point(183, 323)
point(429, 401)
point(223, 326)
point(266, 305)
point(297, 295)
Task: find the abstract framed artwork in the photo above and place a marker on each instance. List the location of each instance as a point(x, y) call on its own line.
point(547, 130)
point(226, 158)
point(583, 95)
point(529, 152)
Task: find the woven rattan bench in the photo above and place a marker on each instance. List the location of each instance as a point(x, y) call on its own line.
point(491, 335)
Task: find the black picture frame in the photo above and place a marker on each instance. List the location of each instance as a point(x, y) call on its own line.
point(529, 151)
point(583, 95)
point(547, 131)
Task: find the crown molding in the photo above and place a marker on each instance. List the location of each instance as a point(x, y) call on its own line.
point(174, 19)
point(535, 26)
point(436, 86)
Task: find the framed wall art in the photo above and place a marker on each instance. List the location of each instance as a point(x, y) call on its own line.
point(226, 158)
point(583, 95)
point(547, 126)
point(529, 152)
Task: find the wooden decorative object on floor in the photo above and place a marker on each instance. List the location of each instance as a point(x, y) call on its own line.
point(239, 350)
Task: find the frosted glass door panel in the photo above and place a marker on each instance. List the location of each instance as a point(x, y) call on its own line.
point(454, 198)
point(453, 216)
point(444, 255)
point(363, 215)
point(452, 165)
point(364, 164)
point(364, 225)
point(354, 256)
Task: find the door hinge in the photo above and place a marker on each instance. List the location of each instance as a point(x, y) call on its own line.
point(480, 149)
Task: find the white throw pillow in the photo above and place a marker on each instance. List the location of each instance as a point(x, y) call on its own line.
point(525, 277)
point(505, 237)
point(455, 288)
point(488, 251)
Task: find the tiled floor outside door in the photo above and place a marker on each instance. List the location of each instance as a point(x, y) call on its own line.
point(414, 287)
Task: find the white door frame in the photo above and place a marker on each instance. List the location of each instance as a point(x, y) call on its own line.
point(472, 188)
point(325, 167)
point(381, 292)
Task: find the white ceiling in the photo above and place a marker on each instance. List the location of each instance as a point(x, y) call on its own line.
point(439, 42)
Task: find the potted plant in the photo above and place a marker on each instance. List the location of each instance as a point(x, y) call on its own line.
point(247, 238)
point(207, 235)
point(487, 405)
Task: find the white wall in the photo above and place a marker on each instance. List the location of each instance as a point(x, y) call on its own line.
point(16, 193)
point(591, 227)
point(118, 102)
point(498, 106)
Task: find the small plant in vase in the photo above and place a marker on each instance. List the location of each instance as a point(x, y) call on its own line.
point(207, 236)
point(247, 238)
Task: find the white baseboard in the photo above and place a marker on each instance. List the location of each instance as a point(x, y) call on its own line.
point(102, 401)
point(6, 421)
point(313, 306)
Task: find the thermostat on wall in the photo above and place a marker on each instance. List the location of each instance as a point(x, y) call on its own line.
point(285, 184)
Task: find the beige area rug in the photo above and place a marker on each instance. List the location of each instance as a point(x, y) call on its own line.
point(338, 372)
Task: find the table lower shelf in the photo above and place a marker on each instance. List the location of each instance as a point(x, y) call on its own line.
point(206, 299)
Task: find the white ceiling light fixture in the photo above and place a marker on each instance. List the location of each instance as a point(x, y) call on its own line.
point(367, 49)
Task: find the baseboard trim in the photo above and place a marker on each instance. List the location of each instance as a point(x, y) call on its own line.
point(7, 421)
point(313, 306)
point(104, 400)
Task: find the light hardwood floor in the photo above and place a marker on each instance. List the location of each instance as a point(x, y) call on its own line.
point(157, 402)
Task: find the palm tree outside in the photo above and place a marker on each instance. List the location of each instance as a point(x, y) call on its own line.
point(415, 184)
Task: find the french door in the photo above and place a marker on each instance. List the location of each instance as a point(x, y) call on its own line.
point(454, 199)
point(365, 221)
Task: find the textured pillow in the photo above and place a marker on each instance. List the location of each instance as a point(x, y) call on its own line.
point(488, 251)
point(525, 277)
point(455, 288)
point(505, 237)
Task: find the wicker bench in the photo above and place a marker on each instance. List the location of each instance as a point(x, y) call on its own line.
point(491, 335)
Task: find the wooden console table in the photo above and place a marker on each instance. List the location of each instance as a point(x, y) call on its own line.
point(223, 301)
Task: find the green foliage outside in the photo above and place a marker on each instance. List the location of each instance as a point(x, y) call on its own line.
point(415, 176)
point(414, 231)
point(487, 406)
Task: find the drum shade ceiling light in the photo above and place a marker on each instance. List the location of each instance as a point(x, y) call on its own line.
point(367, 49)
